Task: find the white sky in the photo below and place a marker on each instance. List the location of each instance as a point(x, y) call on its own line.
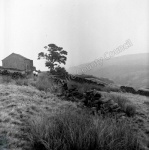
point(85, 28)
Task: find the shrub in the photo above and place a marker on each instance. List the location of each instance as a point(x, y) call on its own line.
point(130, 110)
point(72, 130)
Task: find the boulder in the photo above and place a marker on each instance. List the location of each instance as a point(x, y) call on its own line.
point(114, 106)
point(105, 100)
point(93, 110)
point(118, 109)
point(97, 94)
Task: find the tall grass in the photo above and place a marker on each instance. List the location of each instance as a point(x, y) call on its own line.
point(125, 104)
point(6, 79)
point(22, 82)
point(72, 130)
point(44, 83)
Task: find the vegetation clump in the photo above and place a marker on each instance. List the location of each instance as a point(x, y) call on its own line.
point(73, 130)
point(124, 103)
point(55, 56)
point(21, 82)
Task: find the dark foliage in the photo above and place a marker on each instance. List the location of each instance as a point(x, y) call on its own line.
point(55, 56)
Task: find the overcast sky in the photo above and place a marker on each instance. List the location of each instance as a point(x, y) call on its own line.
point(85, 28)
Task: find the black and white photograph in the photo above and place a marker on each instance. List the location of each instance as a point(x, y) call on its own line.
point(74, 74)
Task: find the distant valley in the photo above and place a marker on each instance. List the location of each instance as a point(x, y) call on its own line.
point(130, 70)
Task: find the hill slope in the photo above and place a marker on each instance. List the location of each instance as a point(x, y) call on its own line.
point(19, 103)
point(132, 70)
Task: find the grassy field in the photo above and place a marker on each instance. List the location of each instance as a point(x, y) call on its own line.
point(31, 117)
point(77, 130)
point(141, 119)
point(18, 104)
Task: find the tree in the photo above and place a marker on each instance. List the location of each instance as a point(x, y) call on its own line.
point(60, 71)
point(55, 56)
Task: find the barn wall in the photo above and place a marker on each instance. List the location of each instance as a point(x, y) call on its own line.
point(13, 61)
point(29, 65)
point(18, 62)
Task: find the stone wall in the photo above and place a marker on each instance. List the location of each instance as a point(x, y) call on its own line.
point(14, 62)
point(144, 92)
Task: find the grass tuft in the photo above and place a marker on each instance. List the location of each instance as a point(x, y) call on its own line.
point(72, 130)
point(22, 82)
point(43, 83)
point(6, 79)
point(125, 104)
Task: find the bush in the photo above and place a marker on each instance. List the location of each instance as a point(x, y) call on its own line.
point(72, 130)
point(130, 110)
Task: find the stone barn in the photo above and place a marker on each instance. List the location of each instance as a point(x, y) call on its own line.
point(16, 61)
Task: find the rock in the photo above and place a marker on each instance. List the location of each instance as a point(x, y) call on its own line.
point(94, 109)
point(98, 102)
point(123, 117)
point(89, 92)
point(119, 115)
point(59, 94)
point(105, 100)
point(82, 100)
point(97, 94)
point(114, 106)
point(109, 103)
point(99, 112)
point(95, 101)
point(118, 109)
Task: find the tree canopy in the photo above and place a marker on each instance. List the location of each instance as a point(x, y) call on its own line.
point(54, 57)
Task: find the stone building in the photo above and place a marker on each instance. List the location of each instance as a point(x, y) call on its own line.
point(16, 61)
